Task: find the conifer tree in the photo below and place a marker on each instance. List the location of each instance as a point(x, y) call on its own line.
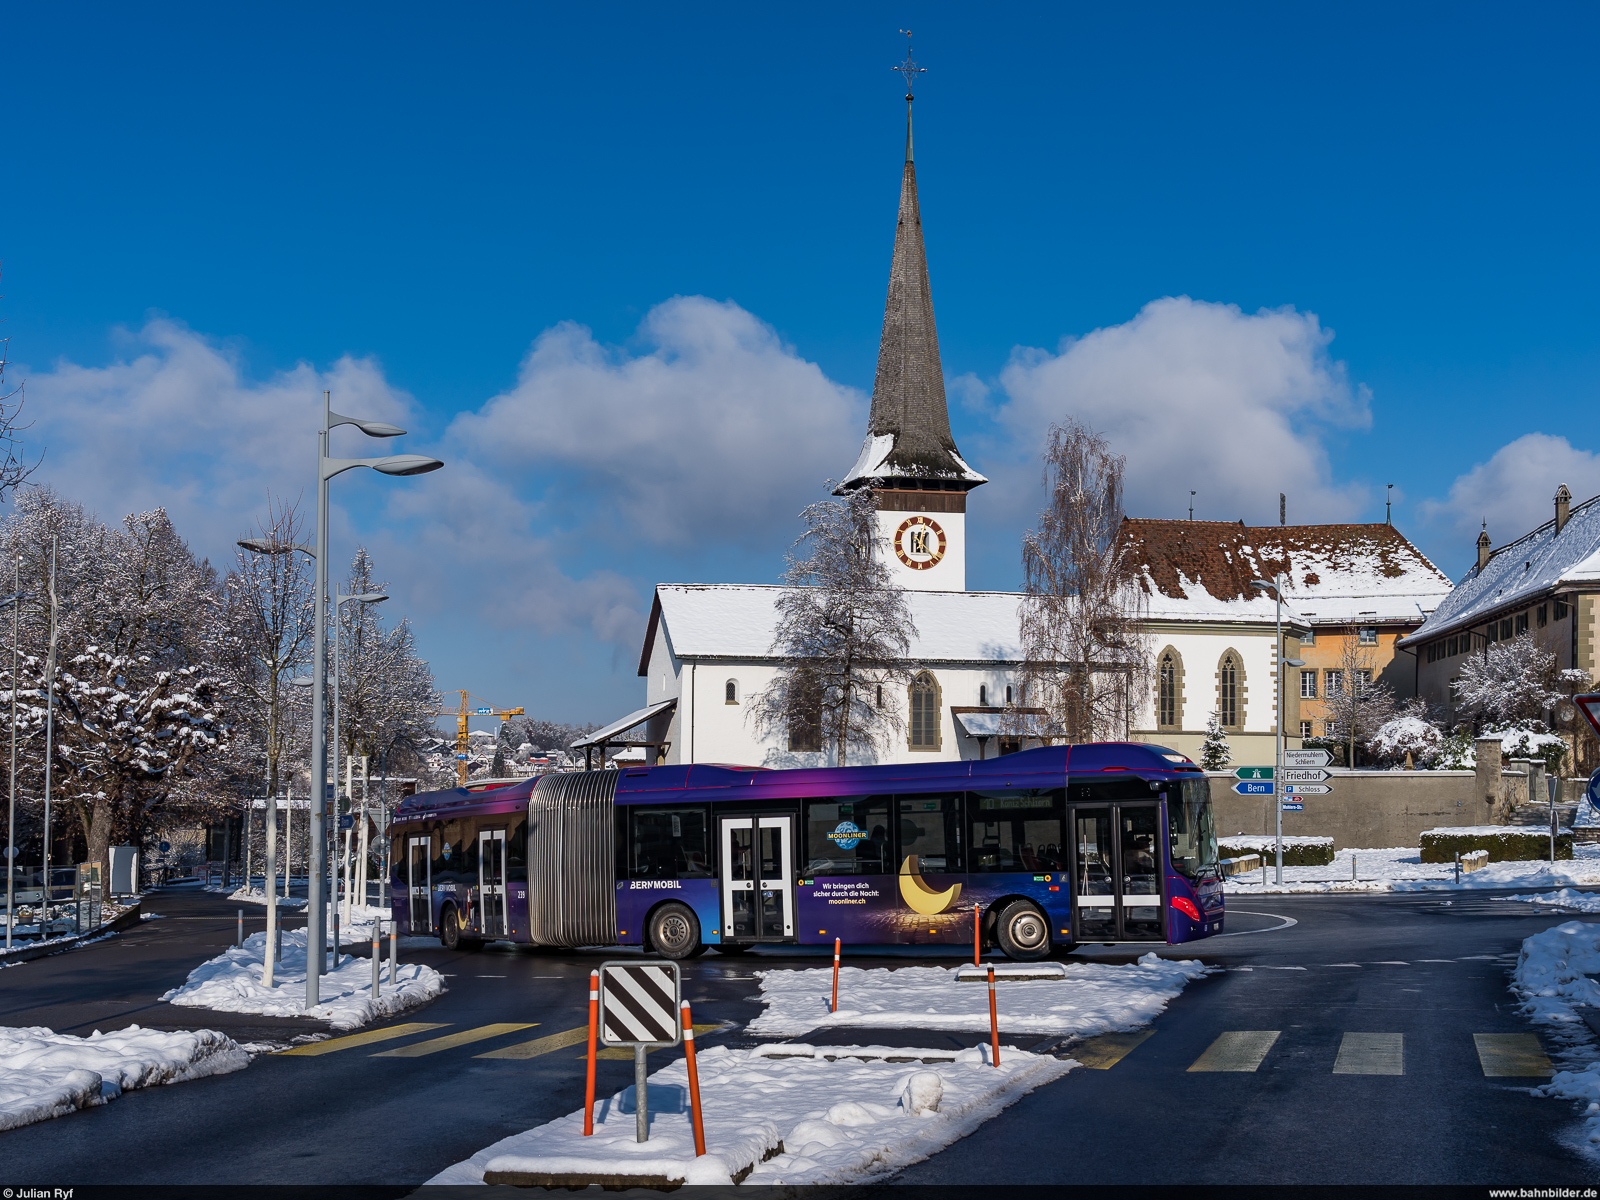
point(1214, 755)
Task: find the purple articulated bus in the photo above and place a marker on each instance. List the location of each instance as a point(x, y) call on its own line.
point(1107, 842)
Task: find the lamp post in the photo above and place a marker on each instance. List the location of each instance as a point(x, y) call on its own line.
point(1276, 588)
point(327, 468)
point(15, 601)
point(339, 602)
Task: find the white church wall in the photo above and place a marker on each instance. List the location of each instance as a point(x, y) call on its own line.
point(1200, 650)
point(942, 567)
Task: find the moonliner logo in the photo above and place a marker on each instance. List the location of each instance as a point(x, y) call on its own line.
point(846, 834)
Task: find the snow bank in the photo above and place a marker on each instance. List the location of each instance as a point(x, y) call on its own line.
point(1253, 843)
point(231, 982)
point(44, 1074)
point(1088, 998)
point(254, 895)
point(847, 1120)
point(1401, 869)
point(1565, 898)
point(1552, 981)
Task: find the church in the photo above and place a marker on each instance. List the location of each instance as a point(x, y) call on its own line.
point(707, 648)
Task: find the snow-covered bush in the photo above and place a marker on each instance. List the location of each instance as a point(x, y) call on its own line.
point(1510, 682)
point(1407, 735)
point(1214, 753)
point(1524, 739)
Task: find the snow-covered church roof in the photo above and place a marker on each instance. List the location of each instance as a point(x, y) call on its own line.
point(1537, 562)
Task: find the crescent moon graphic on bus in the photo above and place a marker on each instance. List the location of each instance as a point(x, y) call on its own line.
point(915, 891)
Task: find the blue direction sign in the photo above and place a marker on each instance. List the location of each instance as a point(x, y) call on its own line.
point(1292, 806)
point(346, 821)
point(1252, 772)
point(1250, 787)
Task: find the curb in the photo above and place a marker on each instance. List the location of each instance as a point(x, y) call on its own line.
point(28, 953)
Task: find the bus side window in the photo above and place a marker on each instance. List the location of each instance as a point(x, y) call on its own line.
point(1017, 830)
point(848, 836)
point(517, 850)
point(669, 843)
point(930, 828)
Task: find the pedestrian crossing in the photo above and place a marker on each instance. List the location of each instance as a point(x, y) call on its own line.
point(1244, 1051)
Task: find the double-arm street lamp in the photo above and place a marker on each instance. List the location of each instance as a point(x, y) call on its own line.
point(327, 468)
point(1276, 588)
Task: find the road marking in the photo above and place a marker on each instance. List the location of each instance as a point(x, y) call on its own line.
point(451, 1040)
point(1511, 1054)
point(312, 1049)
point(1240, 1050)
point(1106, 1051)
point(1436, 960)
point(1287, 921)
point(538, 1046)
point(1388, 962)
point(1371, 1054)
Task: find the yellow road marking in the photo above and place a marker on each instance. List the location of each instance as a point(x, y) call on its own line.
point(312, 1049)
point(452, 1040)
point(627, 1051)
point(1106, 1051)
point(1511, 1054)
point(1239, 1050)
point(538, 1046)
point(1371, 1054)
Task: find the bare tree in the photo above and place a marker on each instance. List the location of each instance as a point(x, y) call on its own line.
point(13, 470)
point(844, 634)
point(1085, 662)
point(1356, 706)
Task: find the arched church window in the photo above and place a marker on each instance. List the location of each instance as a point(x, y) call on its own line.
point(1230, 692)
point(1169, 690)
point(983, 695)
point(731, 691)
point(924, 695)
point(805, 716)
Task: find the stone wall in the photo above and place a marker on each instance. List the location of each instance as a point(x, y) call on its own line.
point(1365, 808)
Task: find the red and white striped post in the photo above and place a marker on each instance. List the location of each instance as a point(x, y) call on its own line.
point(594, 1034)
point(835, 1007)
point(694, 1081)
point(994, 1021)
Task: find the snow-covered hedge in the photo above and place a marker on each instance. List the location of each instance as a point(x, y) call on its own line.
point(1504, 843)
point(1526, 739)
point(1297, 851)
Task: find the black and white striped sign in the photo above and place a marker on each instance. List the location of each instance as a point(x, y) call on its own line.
point(639, 1004)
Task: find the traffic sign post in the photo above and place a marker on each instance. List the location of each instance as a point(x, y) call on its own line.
point(639, 1008)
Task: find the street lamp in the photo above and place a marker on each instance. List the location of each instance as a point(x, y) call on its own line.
point(327, 468)
point(338, 602)
point(15, 601)
point(1276, 588)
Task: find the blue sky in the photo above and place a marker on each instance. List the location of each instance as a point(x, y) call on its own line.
point(1381, 218)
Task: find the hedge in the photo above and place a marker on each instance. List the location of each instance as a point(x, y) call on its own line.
point(1297, 852)
point(1511, 843)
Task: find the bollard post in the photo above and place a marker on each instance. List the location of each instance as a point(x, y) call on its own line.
point(238, 939)
point(835, 1007)
point(1458, 868)
point(594, 1033)
point(694, 1081)
point(994, 1021)
point(377, 944)
point(394, 953)
point(334, 946)
point(1353, 874)
point(1263, 870)
point(977, 942)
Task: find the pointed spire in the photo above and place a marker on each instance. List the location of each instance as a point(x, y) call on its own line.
point(908, 430)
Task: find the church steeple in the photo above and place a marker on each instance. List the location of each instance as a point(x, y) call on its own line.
point(908, 431)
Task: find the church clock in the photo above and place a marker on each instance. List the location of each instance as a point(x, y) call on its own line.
point(919, 543)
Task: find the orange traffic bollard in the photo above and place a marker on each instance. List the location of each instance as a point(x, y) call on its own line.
point(694, 1081)
point(994, 1021)
point(835, 1007)
point(594, 1034)
point(976, 941)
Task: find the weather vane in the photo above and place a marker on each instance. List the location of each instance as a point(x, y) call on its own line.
point(909, 68)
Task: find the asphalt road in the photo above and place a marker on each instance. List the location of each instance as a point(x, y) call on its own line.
point(1351, 964)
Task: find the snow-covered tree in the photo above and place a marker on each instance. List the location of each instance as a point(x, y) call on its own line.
point(1511, 681)
point(1214, 752)
point(1408, 737)
point(1357, 707)
point(844, 633)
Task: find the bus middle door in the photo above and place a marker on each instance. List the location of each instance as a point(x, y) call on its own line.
point(1116, 881)
point(757, 878)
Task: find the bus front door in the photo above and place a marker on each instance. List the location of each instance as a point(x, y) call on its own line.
point(492, 883)
point(419, 871)
point(1116, 880)
point(757, 879)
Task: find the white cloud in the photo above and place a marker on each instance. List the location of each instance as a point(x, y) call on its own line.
point(717, 432)
point(1515, 490)
point(1201, 396)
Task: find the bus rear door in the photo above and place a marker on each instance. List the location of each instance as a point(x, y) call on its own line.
point(492, 916)
point(757, 878)
point(419, 883)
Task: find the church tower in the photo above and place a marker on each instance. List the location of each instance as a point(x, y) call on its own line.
point(909, 460)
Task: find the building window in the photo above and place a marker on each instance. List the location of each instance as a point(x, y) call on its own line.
point(983, 695)
point(1505, 630)
point(1230, 692)
point(1542, 615)
point(1491, 632)
point(1522, 622)
point(880, 696)
point(1367, 635)
point(924, 695)
point(1561, 610)
point(1305, 729)
point(805, 720)
point(1334, 683)
point(1308, 685)
point(1450, 648)
point(1169, 690)
point(1309, 638)
point(1363, 682)
point(730, 692)
point(1008, 693)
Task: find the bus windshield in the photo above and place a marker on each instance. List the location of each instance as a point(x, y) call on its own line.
point(1194, 833)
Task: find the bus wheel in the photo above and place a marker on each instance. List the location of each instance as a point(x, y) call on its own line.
point(674, 931)
point(1023, 932)
point(450, 928)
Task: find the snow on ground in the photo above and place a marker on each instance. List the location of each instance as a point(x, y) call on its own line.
point(231, 982)
point(1401, 869)
point(1552, 979)
point(1089, 998)
point(833, 1122)
point(254, 895)
point(45, 1074)
point(1565, 898)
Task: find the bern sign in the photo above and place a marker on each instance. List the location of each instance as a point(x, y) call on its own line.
point(1250, 787)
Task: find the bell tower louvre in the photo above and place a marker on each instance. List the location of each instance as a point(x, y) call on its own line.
point(909, 459)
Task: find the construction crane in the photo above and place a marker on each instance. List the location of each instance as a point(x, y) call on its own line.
point(462, 715)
